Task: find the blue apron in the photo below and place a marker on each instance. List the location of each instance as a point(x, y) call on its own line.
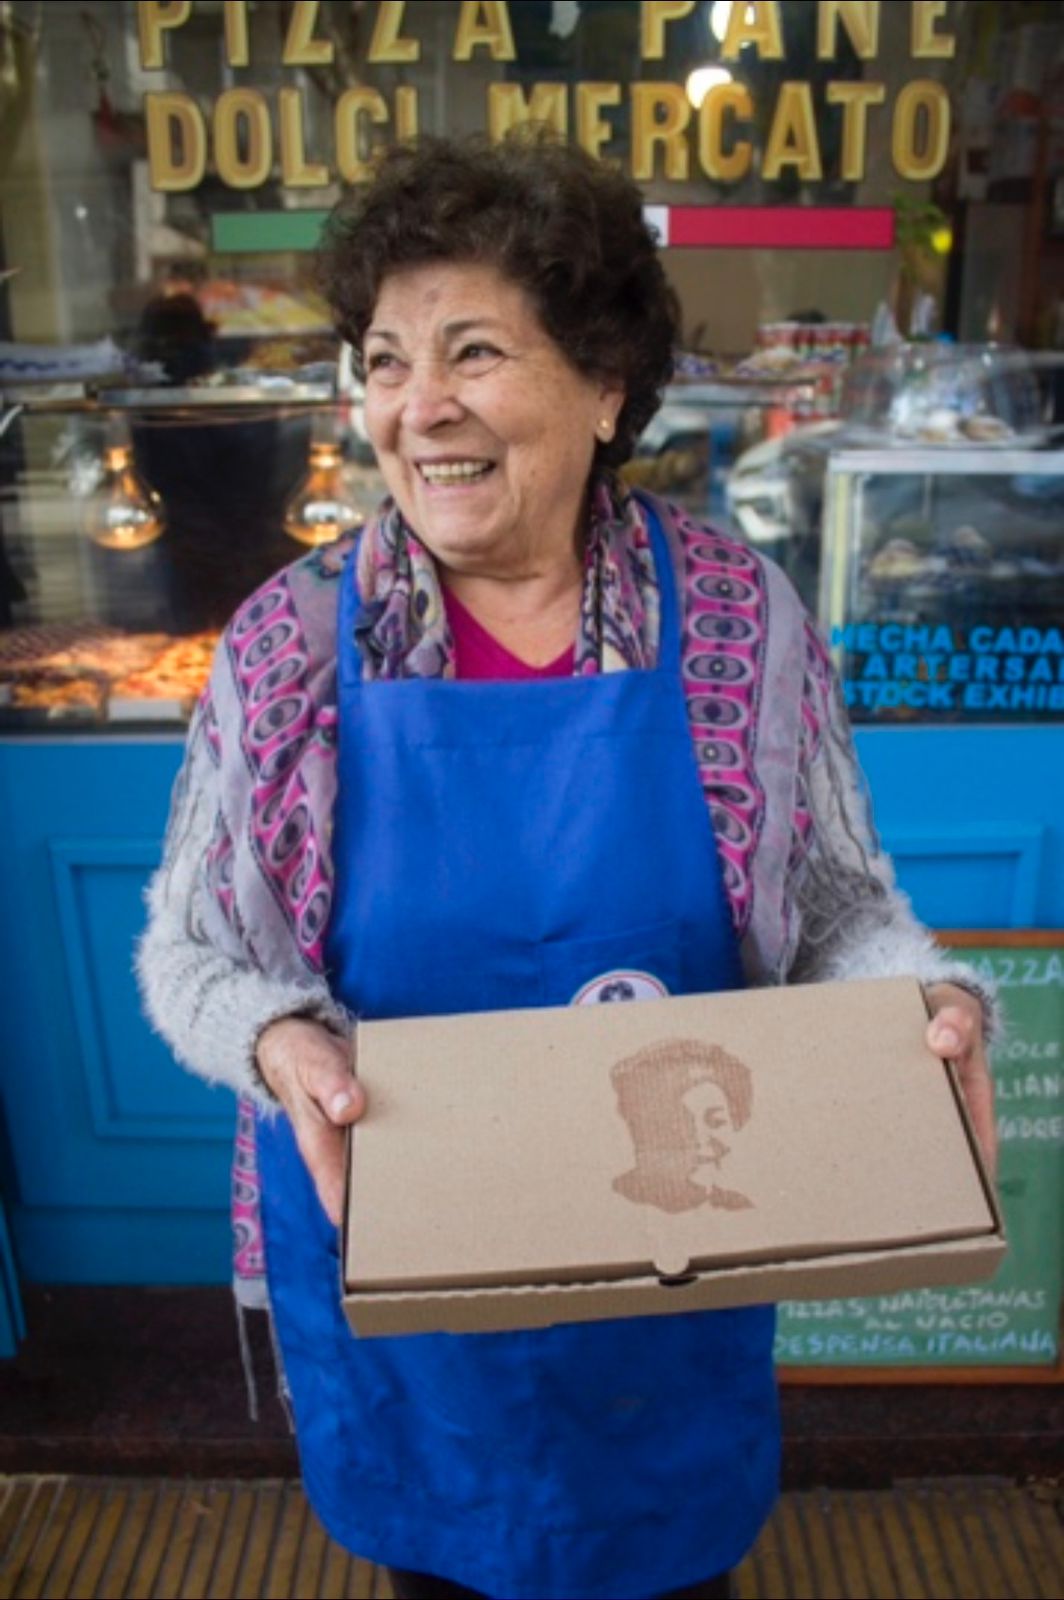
point(500, 845)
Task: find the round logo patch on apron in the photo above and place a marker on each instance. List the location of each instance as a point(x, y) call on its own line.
point(620, 985)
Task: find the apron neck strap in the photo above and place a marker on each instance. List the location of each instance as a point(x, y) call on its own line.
point(669, 652)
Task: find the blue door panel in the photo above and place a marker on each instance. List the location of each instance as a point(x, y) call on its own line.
point(118, 1158)
point(100, 898)
point(12, 1324)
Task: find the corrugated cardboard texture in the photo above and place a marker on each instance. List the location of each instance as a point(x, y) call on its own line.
point(610, 1144)
point(488, 1310)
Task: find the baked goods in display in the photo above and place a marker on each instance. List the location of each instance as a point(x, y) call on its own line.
point(177, 673)
point(22, 649)
point(666, 472)
point(62, 670)
point(56, 696)
point(987, 430)
point(939, 426)
point(898, 558)
point(110, 657)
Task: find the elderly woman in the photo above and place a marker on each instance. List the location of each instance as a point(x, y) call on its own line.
point(530, 739)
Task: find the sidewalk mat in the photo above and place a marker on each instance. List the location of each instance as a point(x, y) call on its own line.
point(155, 1538)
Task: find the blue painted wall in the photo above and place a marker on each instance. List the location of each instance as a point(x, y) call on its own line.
point(974, 817)
point(114, 1162)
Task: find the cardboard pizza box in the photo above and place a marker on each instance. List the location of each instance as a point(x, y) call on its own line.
point(522, 1168)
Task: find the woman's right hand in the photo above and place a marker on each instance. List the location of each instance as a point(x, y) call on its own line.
point(309, 1069)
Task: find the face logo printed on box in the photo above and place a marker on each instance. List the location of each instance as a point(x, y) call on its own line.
point(620, 985)
point(681, 1100)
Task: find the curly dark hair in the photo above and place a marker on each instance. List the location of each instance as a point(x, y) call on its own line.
point(565, 227)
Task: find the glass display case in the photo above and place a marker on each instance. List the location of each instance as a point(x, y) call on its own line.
point(133, 522)
point(942, 582)
point(924, 527)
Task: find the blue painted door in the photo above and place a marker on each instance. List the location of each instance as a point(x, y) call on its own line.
point(12, 1326)
point(115, 1159)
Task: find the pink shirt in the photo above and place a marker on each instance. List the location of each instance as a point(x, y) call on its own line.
point(478, 654)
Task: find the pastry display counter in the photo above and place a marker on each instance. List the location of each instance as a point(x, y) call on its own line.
point(135, 521)
point(942, 583)
point(87, 674)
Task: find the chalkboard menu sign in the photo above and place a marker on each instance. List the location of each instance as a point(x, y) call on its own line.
point(1014, 1320)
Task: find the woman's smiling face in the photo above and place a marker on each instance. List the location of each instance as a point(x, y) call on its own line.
point(484, 431)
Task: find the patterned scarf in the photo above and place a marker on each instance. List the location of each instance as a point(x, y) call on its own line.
point(403, 631)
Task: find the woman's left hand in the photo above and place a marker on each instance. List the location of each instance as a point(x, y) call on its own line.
point(955, 1033)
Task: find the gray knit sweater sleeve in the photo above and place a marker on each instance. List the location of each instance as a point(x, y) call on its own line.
point(849, 917)
point(201, 988)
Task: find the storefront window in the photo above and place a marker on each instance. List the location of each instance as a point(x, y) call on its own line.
point(825, 178)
